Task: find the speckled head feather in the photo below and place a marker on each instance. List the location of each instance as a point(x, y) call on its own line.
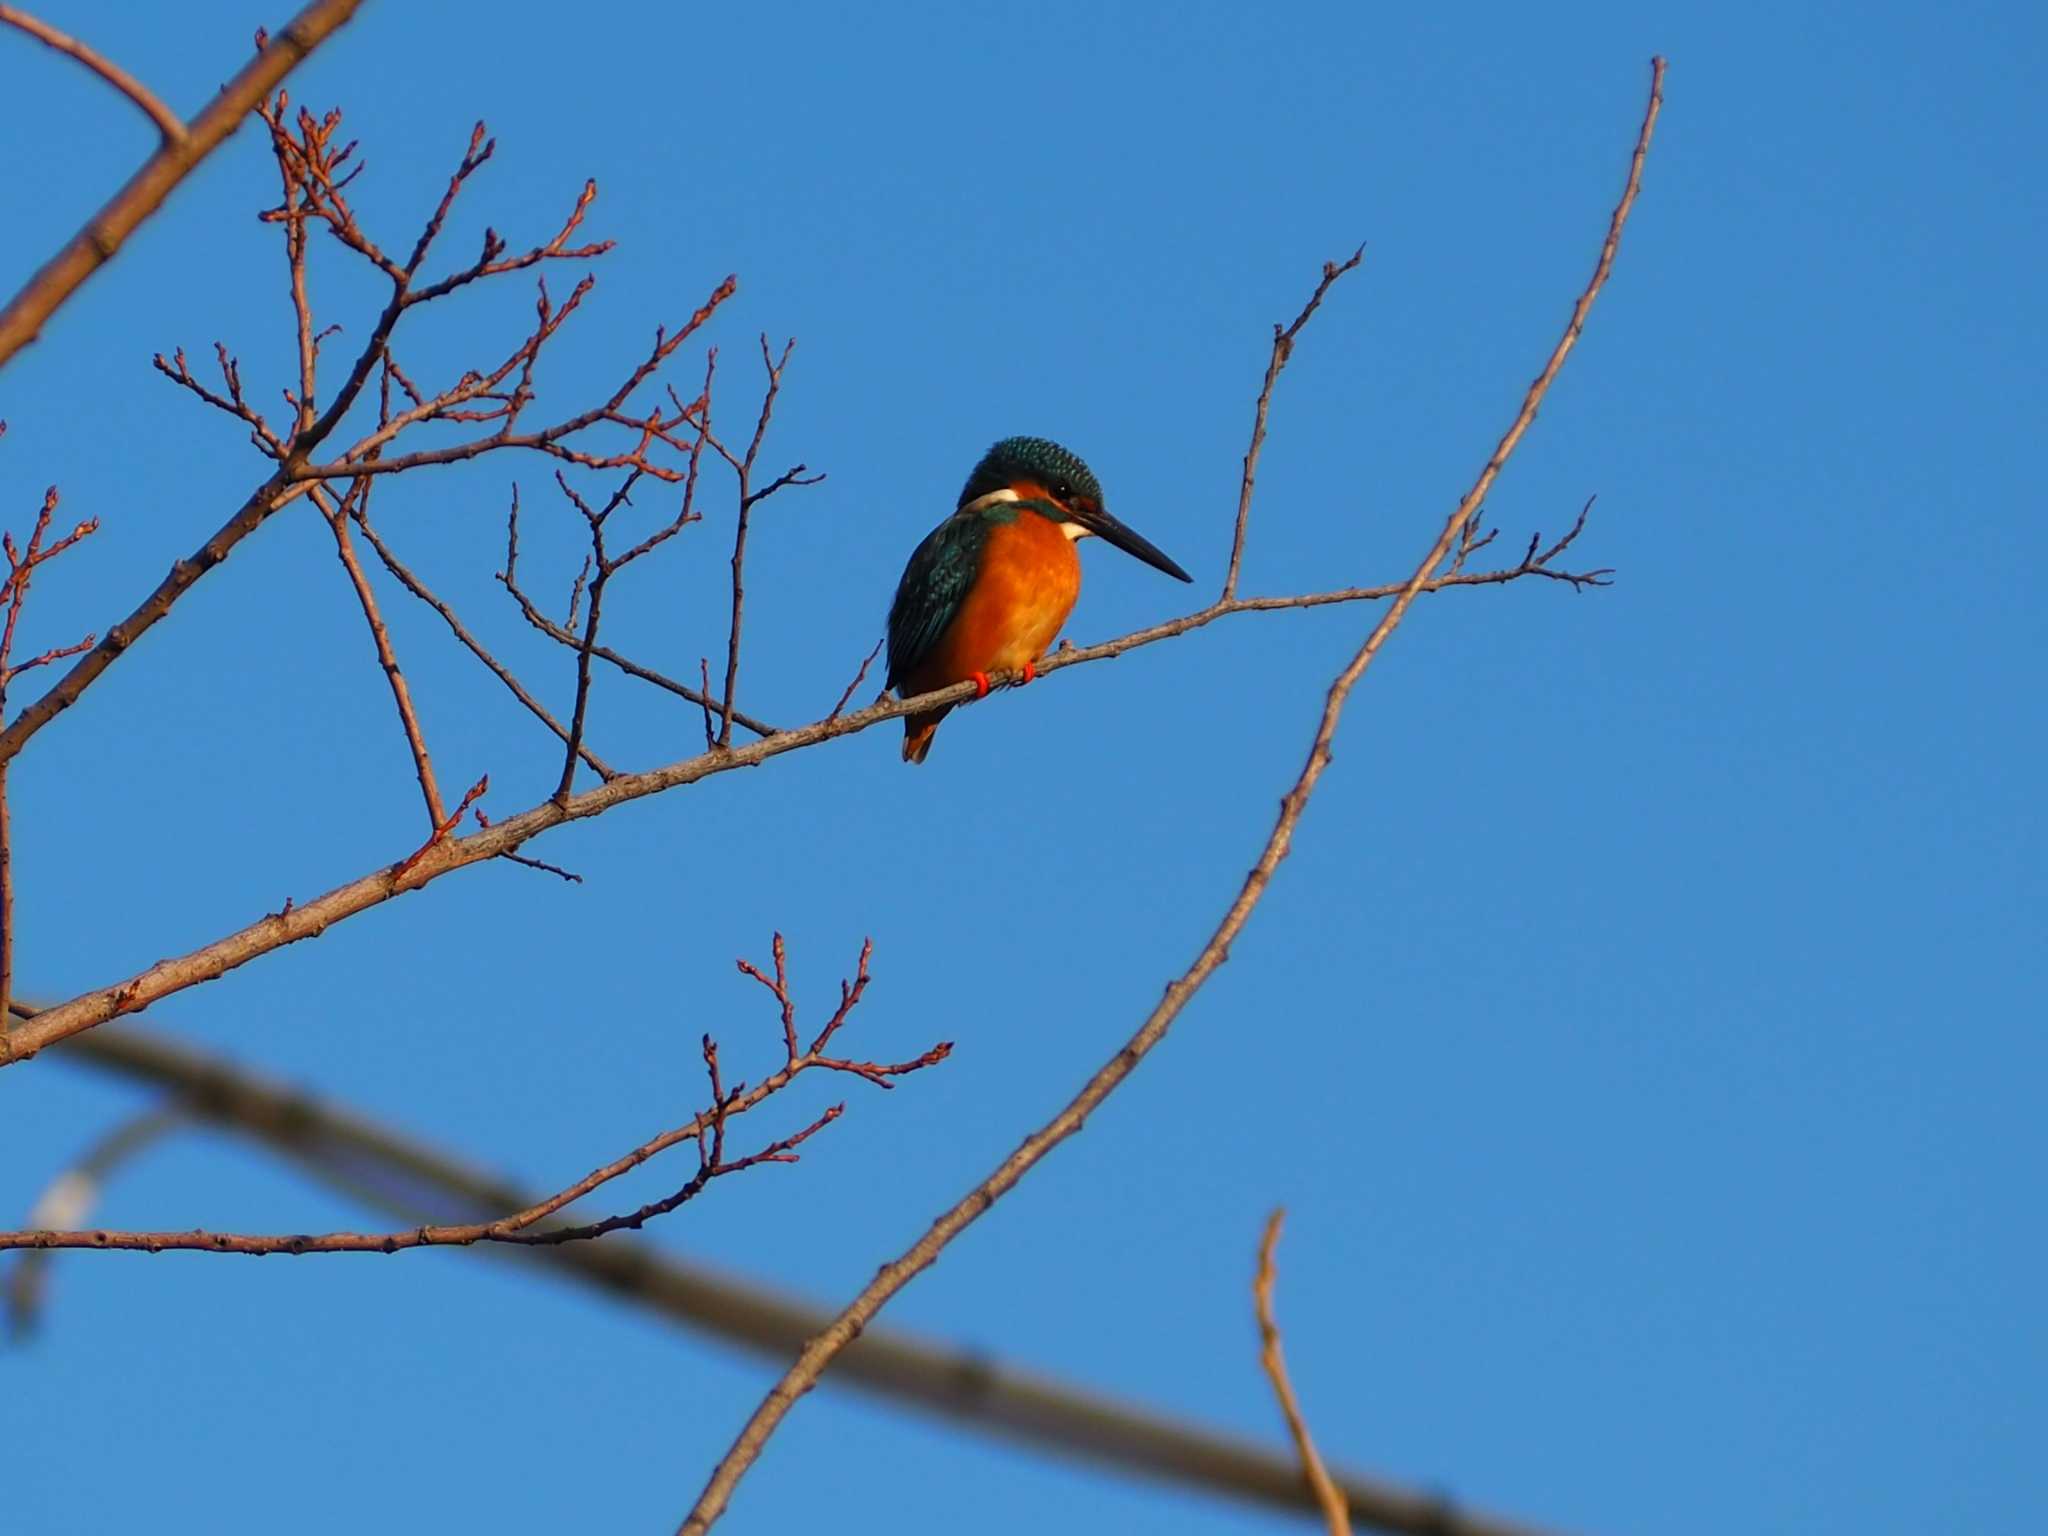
point(1035, 459)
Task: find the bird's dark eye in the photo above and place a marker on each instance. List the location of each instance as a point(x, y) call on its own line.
point(1063, 491)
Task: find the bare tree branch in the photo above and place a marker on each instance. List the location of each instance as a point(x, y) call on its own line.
point(23, 318)
point(707, 1129)
point(1328, 1496)
point(893, 1276)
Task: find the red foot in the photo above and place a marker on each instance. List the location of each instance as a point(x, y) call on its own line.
point(980, 681)
point(1030, 673)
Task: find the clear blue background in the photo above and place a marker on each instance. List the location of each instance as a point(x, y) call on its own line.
point(1646, 1034)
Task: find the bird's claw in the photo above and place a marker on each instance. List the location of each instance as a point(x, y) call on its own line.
point(980, 681)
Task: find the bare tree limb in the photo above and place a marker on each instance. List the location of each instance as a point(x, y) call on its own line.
point(1328, 1496)
point(893, 1276)
point(23, 318)
point(414, 1183)
point(168, 124)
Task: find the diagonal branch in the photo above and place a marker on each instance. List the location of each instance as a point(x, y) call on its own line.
point(23, 318)
point(167, 122)
point(354, 504)
point(821, 1351)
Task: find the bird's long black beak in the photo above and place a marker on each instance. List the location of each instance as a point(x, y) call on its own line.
point(1097, 521)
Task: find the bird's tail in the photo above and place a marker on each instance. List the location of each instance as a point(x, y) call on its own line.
point(918, 731)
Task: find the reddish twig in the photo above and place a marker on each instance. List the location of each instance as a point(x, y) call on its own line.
point(531, 1226)
point(167, 122)
point(440, 834)
point(1328, 1496)
point(21, 568)
point(822, 1350)
point(23, 318)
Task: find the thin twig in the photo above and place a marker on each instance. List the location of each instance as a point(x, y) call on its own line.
point(604, 568)
point(380, 637)
point(867, 662)
point(22, 562)
point(893, 1276)
point(748, 497)
point(1283, 349)
point(25, 315)
point(167, 122)
point(475, 647)
point(700, 695)
point(1328, 1496)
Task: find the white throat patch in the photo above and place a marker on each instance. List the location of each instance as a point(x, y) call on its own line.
point(1076, 533)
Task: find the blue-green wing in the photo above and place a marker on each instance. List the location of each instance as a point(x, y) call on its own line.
point(933, 587)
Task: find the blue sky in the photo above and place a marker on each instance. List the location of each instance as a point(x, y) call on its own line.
point(1645, 1035)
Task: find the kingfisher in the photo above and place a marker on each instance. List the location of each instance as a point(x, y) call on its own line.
point(986, 592)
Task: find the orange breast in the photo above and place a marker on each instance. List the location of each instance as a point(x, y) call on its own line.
point(1030, 576)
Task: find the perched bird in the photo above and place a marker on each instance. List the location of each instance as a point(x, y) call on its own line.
point(988, 589)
